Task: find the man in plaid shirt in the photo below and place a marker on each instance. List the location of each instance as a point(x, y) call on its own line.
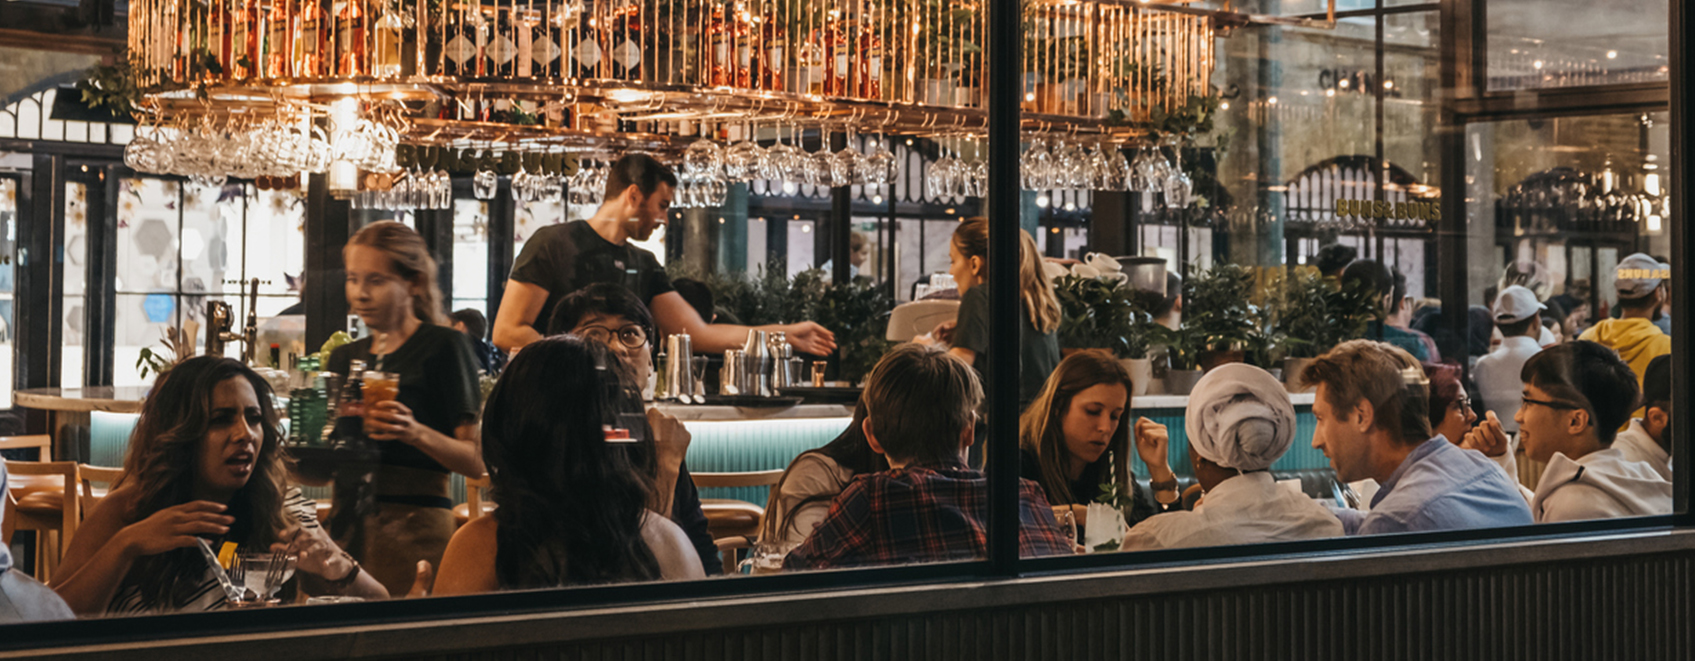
point(921, 409)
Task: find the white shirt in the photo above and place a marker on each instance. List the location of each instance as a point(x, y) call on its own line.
point(1601, 485)
point(1637, 445)
point(1245, 509)
point(1498, 379)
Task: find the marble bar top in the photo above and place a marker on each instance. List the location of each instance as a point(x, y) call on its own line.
point(122, 399)
point(1182, 401)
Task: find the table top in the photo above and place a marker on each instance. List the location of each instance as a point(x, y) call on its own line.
point(692, 413)
point(122, 399)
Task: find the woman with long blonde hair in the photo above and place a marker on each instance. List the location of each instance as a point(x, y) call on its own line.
point(429, 430)
point(1038, 309)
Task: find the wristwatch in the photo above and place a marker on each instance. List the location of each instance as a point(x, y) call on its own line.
point(345, 581)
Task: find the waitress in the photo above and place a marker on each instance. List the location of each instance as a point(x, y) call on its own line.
point(430, 429)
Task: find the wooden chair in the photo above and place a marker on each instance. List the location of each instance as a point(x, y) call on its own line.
point(474, 506)
point(90, 475)
point(52, 511)
point(40, 442)
point(728, 517)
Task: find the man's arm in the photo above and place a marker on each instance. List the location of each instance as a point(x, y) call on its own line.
point(675, 315)
point(516, 324)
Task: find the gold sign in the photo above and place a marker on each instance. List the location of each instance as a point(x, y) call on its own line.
point(1644, 274)
point(1400, 210)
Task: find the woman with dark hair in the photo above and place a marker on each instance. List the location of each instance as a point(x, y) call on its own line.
point(814, 479)
point(1451, 415)
point(205, 462)
point(575, 492)
point(1078, 424)
point(429, 430)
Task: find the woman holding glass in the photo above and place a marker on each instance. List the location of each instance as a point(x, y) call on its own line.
point(428, 430)
point(205, 463)
point(565, 440)
point(1075, 439)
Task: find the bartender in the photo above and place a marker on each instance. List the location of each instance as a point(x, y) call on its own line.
point(560, 259)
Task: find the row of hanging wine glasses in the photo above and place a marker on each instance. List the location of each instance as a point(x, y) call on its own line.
point(415, 189)
point(709, 166)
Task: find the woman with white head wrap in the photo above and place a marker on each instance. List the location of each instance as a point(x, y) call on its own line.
point(22, 599)
point(1239, 422)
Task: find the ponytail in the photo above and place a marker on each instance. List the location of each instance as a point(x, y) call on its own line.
point(1034, 289)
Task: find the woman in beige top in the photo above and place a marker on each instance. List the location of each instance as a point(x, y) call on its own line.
point(804, 493)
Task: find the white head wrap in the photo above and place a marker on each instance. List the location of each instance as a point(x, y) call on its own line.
point(1240, 417)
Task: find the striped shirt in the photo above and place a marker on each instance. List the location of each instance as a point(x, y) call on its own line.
point(206, 595)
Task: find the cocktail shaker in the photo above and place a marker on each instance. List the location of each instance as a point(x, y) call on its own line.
point(730, 376)
point(781, 354)
point(679, 373)
point(756, 368)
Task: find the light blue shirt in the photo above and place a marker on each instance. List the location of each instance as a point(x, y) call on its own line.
point(1441, 487)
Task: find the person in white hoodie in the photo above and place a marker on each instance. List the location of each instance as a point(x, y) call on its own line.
point(1576, 396)
point(1648, 439)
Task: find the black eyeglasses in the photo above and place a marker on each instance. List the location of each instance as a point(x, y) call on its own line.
point(631, 336)
point(1462, 403)
point(1560, 406)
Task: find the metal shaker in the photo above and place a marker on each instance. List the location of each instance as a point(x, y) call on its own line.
point(679, 375)
point(730, 376)
point(756, 368)
point(781, 352)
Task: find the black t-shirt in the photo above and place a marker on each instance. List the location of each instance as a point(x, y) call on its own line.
point(438, 381)
point(1087, 487)
point(567, 257)
point(1038, 352)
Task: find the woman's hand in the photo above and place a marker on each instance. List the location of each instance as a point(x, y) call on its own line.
point(318, 554)
point(1152, 445)
point(176, 527)
point(944, 331)
point(393, 421)
point(1488, 438)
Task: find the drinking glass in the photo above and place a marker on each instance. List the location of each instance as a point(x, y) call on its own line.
point(379, 387)
point(1067, 523)
point(879, 165)
point(765, 558)
point(483, 182)
point(260, 578)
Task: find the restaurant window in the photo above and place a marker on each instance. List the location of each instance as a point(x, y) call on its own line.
point(75, 300)
point(8, 280)
point(1534, 44)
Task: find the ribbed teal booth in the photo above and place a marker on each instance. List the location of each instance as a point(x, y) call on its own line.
point(1301, 455)
point(754, 445)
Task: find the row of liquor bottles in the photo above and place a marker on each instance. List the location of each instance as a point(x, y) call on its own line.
point(709, 45)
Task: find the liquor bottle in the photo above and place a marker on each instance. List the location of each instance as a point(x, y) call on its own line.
point(310, 40)
point(389, 35)
point(742, 37)
point(348, 429)
point(352, 57)
point(626, 33)
point(481, 32)
point(770, 55)
point(544, 49)
point(588, 52)
point(460, 47)
point(182, 56)
point(836, 61)
point(503, 47)
point(279, 47)
point(244, 39)
point(811, 75)
point(524, 22)
point(869, 65)
point(218, 40)
point(717, 32)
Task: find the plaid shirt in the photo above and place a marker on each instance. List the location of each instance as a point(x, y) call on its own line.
point(922, 514)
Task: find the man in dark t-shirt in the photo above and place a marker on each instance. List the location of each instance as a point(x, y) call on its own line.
point(561, 259)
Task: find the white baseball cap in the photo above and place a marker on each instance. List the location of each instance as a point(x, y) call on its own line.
point(1639, 275)
point(1515, 304)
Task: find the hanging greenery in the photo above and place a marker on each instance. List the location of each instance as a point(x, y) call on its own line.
point(111, 86)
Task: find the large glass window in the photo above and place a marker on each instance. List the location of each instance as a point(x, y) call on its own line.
point(1564, 43)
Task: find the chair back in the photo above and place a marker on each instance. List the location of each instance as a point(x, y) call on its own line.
point(41, 442)
point(739, 479)
point(70, 513)
point(90, 476)
point(475, 487)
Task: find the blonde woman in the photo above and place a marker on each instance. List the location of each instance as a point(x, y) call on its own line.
point(429, 430)
point(1038, 309)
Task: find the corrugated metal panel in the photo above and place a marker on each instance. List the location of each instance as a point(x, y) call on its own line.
point(1624, 608)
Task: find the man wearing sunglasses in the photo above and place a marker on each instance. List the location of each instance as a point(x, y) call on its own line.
point(1576, 396)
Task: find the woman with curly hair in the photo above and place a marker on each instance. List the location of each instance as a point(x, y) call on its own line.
point(577, 496)
point(206, 463)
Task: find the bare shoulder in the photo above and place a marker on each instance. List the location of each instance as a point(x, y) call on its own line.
point(677, 557)
point(467, 567)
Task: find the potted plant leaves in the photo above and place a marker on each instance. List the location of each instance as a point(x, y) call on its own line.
point(1314, 314)
point(1101, 314)
point(1218, 306)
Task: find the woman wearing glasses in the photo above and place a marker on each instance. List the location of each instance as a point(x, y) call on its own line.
point(1451, 415)
point(429, 431)
point(612, 316)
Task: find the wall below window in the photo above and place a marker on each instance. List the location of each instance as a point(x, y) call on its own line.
point(1618, 596)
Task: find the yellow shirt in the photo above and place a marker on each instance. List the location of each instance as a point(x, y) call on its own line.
point(1637, 341)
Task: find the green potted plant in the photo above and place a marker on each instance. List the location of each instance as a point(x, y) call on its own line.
point(1314, 314)
point(1101, 314)
point(1218, 305)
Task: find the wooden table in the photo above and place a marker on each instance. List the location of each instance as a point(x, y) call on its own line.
point(67, 412)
